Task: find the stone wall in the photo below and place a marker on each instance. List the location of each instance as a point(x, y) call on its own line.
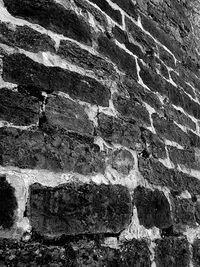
point(99, 133)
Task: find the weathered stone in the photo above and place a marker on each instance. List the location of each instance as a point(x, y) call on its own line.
point(139, 93)
point(170, 131)
point(106, 7)
point(194, 139)
point(114, 130)
point(79, 209)
point(8, 203)
point(131, 109)
point(122, 161)
point(17, 108)
point(156, 173)
point(66, 114)
point(166, 57)
point(183, 213)
point(172, 251)
point(76, 55)
point(47, 13)
point(179, 81)
point(141, 38)
point(162, 69)
point(153, 208)
point(196, 252)
point(179, 156)
point(128, 6)
point(150, 26)
point(154, 145)
point(121, 58)
point(26, 38)
point(20, 69)
point(98, 15)
point(179, 117)
point(76, 252)
point(58, 151)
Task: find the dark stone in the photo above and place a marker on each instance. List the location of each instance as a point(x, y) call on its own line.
point(166, 57)
point(73, 209)
point(141, 38)
point(196, 252)
point(128, 7)
point(170, 131)
point(8, 203)
point(183, 213)
point(47, 13)
point(17, 108)
point(26, 38)
point(179, 156)
point(194, 139)
point(121, 58)
point(179, 81)
point(153, 208)
point(139, 93)
point(113, 13)
point(157, 174)
point(122, 161)
point(131, 109)
point(150, 26)
point(78, 56)
point(162, 69)
point(57, 152)
point(172, 251)
point(173, 114)
point(66, 114)
point(153, 144)
point(98, 15)
point(120, 35)
point(114, 130)
point(20, 69)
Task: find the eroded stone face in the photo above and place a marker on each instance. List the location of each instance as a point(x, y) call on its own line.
point(122, 161)
point(73, 209)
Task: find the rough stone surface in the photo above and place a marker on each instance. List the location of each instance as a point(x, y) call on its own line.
point(172, 251)
point(152, 207)
point(47, 13)
point(79, 209)
point(17, 108)
point(122, 161)
point(20, 69)
point(66, 114)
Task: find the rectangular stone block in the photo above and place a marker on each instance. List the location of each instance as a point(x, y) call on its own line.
point(124, 61)
point(17, 108)
point(113, 13)
point(47, 13)
point(22, 70)
point(73, 209)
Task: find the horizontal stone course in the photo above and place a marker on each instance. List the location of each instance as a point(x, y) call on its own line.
point(124, 61)
point(66, 114)
point(22, 70)
point(74, 54)
point(106, 7)
point(26, 38)
point(56, 151)
point(73, 209)
point(47, 13)
point(17, 108)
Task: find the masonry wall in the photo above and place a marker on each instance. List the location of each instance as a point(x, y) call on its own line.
point(99, 133)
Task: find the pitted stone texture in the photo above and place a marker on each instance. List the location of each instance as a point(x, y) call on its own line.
point(66, 114)
point(51, 16)
point(196, 252)
point(152, 207)
point(8, 203)
point(122, 161)
point(56, 151)
point(81, 57)
point(17, 108)
point(25, 37)
point(36, 77)
point(73, 209)
point(172, 251)
point(116, 131)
